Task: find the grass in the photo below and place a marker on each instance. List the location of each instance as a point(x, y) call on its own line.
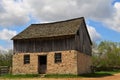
point(60, 76)
point(100, 74)
point(96, 74)
point(20, 76)
point(90, 75)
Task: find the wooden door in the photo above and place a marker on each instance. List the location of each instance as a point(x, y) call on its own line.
point(42, 64)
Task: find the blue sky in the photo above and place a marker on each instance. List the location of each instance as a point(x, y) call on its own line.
point(102, 17)
point(106, 33)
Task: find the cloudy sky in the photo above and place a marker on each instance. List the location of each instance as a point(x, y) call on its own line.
point(102, 17)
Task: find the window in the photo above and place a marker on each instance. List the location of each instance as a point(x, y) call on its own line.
point(58, 57)
point(26, 59)
point(78, 32)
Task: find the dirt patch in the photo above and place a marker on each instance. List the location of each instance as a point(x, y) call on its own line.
point(113, 77)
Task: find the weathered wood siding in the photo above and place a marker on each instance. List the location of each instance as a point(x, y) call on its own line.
point(82, 42)
point(37, 45)
point(79, 42)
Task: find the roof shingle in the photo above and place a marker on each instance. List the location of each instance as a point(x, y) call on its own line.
point(61, 28)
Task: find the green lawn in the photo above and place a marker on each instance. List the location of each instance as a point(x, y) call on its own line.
point(96, 74)
point(60, 76)
point(20, 76)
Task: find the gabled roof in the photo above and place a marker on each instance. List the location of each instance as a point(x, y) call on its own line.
point(55, 29)
point(61, 28)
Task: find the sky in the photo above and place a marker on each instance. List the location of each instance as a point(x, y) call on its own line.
point(102, 17)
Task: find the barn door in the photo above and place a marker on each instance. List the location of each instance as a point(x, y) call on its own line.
point(42, 64)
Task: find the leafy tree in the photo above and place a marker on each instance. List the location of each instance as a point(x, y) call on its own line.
point(6, 58)
point(108, 54)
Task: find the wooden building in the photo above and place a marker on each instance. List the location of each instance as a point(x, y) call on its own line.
point(62, 47)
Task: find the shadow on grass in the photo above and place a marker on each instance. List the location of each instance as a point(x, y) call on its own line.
point(96, 75)
point(90, 75)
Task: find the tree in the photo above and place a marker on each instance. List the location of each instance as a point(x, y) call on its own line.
point(108, 54)
point(6, 58)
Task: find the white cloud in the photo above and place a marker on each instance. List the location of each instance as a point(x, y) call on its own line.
point(95, 36)
point(97, 10)
point(17, 12)
point(6, 34)
point(2, 49)
point(52, 10)
point(13, 13)
point(114, 21)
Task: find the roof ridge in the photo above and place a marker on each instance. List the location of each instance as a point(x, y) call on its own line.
point(59, 21)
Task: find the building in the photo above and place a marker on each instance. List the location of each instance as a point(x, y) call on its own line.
point(62, 47)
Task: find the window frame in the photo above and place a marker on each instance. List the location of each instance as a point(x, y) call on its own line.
point(26, 59)
point(58, 57)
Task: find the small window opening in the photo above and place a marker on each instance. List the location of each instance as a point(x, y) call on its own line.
point(26, 59)
point(58, 58)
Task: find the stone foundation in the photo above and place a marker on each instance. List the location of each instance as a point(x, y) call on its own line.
point(73, 62)
point(68, 65)
point(19, 67)
point(84, 63)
